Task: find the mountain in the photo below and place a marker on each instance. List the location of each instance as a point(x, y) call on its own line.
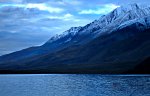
point(142, 67)
point(115, 43)
point(55, 43)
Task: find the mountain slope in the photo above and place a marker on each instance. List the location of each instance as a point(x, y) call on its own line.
point(115, 43)
point(120, 51)
point(142, 68)
point(80, 35)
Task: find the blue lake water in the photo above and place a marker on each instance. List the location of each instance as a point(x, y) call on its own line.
point(74, 85)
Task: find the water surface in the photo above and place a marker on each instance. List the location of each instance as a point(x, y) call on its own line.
point(74, 85)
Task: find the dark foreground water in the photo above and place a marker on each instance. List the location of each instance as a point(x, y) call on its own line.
point(74, 85)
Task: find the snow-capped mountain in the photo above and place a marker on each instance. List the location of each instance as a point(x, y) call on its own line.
point(119, 16)
point(122, 16)
point(116, 42)
point(117, 19)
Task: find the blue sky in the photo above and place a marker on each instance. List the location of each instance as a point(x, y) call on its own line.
point(26, 23)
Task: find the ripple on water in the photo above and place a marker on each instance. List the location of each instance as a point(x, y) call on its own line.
point(74, 85)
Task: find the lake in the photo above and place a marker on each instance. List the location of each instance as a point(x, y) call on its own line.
point(74, 85)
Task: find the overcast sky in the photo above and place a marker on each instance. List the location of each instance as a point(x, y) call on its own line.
point(25, 23)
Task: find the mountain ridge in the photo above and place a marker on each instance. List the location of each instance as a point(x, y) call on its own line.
point(112, 41)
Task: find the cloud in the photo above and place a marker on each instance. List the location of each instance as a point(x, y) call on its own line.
point(44, 7)
point(11, 1)
point(41, 6)
point(23, 1)
point(103, 9)
point(73, 2)
point(78, 2)
point(64, 17)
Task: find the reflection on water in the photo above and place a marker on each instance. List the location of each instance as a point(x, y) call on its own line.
point(74, 85)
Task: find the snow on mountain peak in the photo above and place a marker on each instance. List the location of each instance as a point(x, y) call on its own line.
point(116, 17)
point(133, 10)
point(72, 31)
point(107, 23)
point(129, 7)
point(121, 15)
